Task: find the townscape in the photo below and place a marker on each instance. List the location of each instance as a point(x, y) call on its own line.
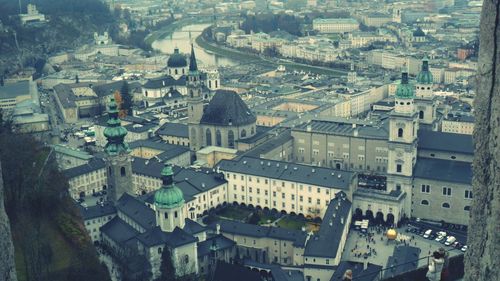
point(285, 140)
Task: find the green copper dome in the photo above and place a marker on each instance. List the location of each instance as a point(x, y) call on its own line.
point(169, 195)
point(425, 76)
point(405, 90)
point(114, 132)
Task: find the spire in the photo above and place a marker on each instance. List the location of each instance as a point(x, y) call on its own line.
point(425, 64)
point(192, 60)
point(114, 132)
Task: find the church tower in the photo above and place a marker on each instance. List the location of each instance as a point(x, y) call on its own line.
point(195, 103)
point(169, 202)
point(403, 128)
point(118, 159)
point(425, 100)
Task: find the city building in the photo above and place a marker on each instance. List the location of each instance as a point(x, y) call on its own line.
point(335, 25)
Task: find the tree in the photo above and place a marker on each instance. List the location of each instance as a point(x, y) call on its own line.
point(127, 99)
point(167, 269)
point(119, 102)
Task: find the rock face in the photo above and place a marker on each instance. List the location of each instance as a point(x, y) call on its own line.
point(483, 257)
point(7, 266)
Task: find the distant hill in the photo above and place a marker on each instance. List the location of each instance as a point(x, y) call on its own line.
point(71, 23)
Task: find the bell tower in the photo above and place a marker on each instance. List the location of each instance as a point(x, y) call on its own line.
point(118, 159)
point(403, 128)
point(425, 101)
point(195, 103)
point(169, 202)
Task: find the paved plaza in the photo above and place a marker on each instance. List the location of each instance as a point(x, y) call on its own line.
point(378, 249)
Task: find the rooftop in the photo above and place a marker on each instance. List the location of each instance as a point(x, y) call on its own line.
point(174, 130)
point(346, 128)
point(443, 170)
point(11, 91)
point(281, 170)
point(227, 109)
point(449, 142)
point(327, 241)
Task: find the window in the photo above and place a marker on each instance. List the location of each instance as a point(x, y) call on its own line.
point(230, 139)
point(421, 114)
point(424, 202)
point(218, 138)
point(447, 191)
point(243, 133)
point(186, 259)
point(166, 215)
point(122, 171)
point(468, 194)
point(175, 214)
point(208, 135)
point(426, 188)
point(446, 205)
point(400, 132)
point(467, 208)
point(399, 168)
point(159, 250)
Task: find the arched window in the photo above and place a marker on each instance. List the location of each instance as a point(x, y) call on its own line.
point(446, 205)
point(191, 94)
point(122, 171)
point(218, 138)
point(400, 132)
point(210, 83)
point(183, 71)
point(230, 139)
point(243, 133)
point(176, 72)
point(175, 214)
point(186, 259)
point(467, 208)
point(208, 136)
point(166, 215)
point(424, 202)
point(159, 250)
point(421, 114)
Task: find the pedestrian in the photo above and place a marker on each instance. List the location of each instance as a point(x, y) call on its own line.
point(444, 272)
point(435, 267)
point(347, 275)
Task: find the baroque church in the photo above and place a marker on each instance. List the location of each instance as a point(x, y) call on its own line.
point(174, 83)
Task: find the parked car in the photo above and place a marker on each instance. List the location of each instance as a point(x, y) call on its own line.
point(427, 233)
point(464, 248)
point(450, 240)
point(442, 233)
point(440, 238)
point(457, 245)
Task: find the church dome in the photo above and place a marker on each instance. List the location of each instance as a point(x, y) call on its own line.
point(169, 195)
point(227, 109)
point(425, 76)
point(176, 59)
point(404, 90)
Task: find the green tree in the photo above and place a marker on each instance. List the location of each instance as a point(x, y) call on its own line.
point(167, 269)
point(127, 99)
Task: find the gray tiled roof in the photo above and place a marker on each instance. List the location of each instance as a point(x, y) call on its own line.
point(155, 236)
point(139, 128)
point(96, 211)
point(169, 150)
point(326, 242)
point(118, 230)
point(107, 89)
point(174, 129)
point(226, 107)
point(449, 142)
point(10, 91)
point(220, 241)
point(296, 236)
point(164, 82)
point(269, 145)
point(358, 272)
point(93, 165)
point(227, 272)
point(403, 259)
point(281, 170)
point(137, 211)
point(443, 170)
point(192, 227)
point(377, 131)
point(65, 95)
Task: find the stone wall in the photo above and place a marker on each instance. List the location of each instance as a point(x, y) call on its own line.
point(7, 266)
point(483, 258)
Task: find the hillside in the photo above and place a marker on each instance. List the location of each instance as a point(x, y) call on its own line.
point(71, 23)
point(49, 238)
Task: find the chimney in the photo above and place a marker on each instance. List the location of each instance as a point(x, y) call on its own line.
point(217, 229)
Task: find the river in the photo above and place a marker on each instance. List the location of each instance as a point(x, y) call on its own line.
point(182, 39)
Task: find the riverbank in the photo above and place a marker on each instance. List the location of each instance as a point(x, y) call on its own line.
point(244, 57)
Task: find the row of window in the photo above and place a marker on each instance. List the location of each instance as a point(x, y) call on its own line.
point(445, 205)
point(301, 187)
point(425, 188)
